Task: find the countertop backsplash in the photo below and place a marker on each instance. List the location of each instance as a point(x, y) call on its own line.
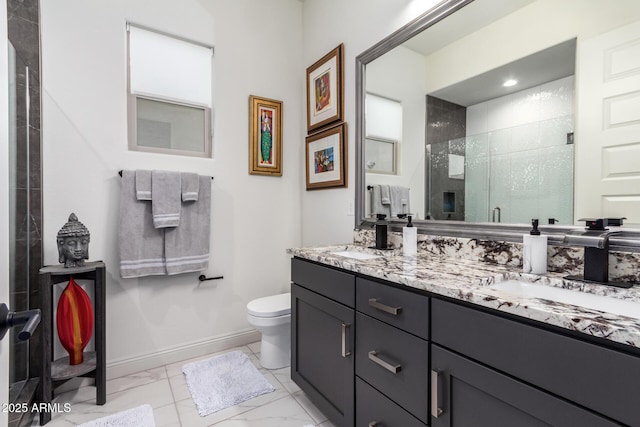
point(623, 266)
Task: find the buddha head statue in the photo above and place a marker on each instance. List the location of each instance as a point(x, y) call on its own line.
point(73, 243)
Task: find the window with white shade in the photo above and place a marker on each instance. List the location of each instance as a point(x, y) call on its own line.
point(170, 103)
point(383, 128)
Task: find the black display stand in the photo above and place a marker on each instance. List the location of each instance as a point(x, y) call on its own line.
point(56, 372)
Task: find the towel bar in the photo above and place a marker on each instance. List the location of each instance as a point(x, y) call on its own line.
point(120, 173)
point(202, 278)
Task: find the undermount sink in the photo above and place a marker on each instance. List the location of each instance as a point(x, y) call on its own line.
point(603, 303)
point(356, 255)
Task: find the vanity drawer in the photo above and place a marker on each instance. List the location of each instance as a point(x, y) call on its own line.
point(394, 362)
point(334, 284)
point(375, 409)
point(599, 378)
point(403, 309)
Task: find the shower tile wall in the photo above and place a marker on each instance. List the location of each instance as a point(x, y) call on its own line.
point(24, 35)
point(517, 147)
point(445, 133)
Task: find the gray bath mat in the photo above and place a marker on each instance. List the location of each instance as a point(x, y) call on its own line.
point(224, 381)
point(140, 416)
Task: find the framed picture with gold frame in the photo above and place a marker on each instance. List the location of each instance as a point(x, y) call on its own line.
point(326, 158)
point(265, 136)
point(325, 90)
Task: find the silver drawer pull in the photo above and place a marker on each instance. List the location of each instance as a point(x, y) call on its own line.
point(383, 307)
point(345, 353)
point(373, 424)
point(386, 365)
point(436, 398)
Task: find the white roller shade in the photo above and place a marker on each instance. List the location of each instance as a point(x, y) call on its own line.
point(170, 68)
point(383, 118)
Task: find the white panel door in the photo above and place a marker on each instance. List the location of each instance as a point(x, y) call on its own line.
point(607, 179)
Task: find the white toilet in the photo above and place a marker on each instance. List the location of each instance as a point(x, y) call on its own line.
point(272, 317)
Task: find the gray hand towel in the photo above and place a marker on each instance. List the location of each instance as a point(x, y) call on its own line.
point(187, 246)
point(141, 245)
point(166, 191)
point(377, 207)
point(190, 184)
point(143, 184)
point(385, 196)
point(399, 200)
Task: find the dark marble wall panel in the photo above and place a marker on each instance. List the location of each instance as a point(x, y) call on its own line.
point(446, 122)
point(23, 24)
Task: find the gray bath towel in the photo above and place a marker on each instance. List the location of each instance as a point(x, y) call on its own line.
point(187, 246)
point(143, 184)
point(190, 184)
point(377, 207)
point(399, 199)
point(166, 193)
point(141, 245)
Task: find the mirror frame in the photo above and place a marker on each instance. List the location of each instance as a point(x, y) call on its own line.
point(627, 240)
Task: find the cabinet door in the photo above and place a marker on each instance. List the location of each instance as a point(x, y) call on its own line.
point(465, 393)
point(321, 353)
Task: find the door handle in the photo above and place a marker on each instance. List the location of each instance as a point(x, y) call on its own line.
point(436, 394)
point(8, 319)
point(345, 352)
point(373, 302)
point(394, 369)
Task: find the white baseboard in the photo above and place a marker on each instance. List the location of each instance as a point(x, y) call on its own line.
point(127, 366)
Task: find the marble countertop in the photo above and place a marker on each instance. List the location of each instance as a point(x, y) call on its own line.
point(470, 281)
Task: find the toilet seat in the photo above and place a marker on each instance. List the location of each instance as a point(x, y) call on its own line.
point(272, 306)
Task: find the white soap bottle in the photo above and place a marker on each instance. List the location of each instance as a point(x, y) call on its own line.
point(409, 239)
point(534, 251)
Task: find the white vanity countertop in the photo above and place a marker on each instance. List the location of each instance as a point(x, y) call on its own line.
point(470, 281)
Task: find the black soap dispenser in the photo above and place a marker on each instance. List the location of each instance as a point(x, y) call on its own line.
point(381, 232)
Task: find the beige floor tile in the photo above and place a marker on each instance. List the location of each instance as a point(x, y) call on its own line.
point(285, 412)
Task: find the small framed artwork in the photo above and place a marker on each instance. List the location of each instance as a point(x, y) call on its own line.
point(326, 158)
point(325, 90)
point(265, 136)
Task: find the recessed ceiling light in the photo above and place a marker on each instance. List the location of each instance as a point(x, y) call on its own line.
point(510, 83)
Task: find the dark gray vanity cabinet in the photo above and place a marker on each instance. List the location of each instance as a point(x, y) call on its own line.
point(490, 370)
point(468, 394)
point(392, 355)
point(322, 338)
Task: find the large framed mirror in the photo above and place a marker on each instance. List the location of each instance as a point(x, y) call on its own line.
point(510, 110)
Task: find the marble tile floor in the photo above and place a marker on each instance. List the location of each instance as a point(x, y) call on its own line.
point(165, 389)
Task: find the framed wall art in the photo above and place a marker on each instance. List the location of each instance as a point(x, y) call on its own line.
point(326, 158)
point(325, 90)
point(265, 136)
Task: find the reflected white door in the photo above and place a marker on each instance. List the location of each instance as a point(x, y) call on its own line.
point(607, 180)
point(4, 203)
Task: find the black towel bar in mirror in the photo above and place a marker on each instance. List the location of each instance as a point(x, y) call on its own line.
point(202, 278)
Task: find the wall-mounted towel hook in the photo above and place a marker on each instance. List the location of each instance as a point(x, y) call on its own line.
point(202, 278)
point(120, 173)
point(369, 187)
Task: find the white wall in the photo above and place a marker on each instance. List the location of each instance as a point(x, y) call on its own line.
point(258, 48)
point(359, 24)
point(4, 201)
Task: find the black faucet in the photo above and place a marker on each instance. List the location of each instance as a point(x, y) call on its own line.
point(381, 232)
point(595, 240)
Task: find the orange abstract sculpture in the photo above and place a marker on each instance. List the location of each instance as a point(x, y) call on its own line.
point(74, 321)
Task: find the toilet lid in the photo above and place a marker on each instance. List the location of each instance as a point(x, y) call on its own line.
point(273, 306)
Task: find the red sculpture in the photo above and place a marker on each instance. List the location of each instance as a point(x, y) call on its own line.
point(74, 321)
